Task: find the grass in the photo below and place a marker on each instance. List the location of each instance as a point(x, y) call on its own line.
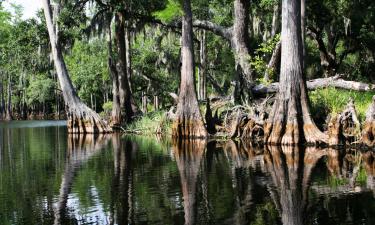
point(150, 123)
point(332, 101)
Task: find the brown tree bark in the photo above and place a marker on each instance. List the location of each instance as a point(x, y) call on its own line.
point(188, 121)
point(81, 119)
point(290, 121)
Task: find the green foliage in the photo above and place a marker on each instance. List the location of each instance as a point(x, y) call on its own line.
point(40, 90)
point(150, 123)
point(262, 53)
point(87, 64)
point(330, 100)
point(172, 11)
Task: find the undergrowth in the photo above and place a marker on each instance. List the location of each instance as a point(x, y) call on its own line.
point(328, 101)
point(151, 123)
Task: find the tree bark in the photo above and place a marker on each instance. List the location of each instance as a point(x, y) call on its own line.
point(275, 19)
point(239, 43)
point(238, 38)
point(202, 80)
point(116, 118)
point(290, 121)
point(129, 71)
point(124, 88)
point(314, 84)
point(81, 119)
point(188, 121)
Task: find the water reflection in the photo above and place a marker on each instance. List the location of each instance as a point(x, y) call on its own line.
point(188, 156)
point(47, 177)
point(122, 181)
point(80, 149)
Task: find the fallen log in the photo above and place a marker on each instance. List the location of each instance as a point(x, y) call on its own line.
point(335, 81)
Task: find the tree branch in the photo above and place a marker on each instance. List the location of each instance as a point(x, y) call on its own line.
point(335, 81)
point(225, 32)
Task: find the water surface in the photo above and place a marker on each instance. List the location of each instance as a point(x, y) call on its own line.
point(50, 177)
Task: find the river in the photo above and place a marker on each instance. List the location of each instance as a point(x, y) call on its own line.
point(50, 177)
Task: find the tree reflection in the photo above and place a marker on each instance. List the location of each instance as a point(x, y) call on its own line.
point(122, 184)
point(290, 170)
point(80, 149)
point(188, 155)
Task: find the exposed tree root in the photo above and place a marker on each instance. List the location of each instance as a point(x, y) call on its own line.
point(83, 120)
point(368, 133)
point(345, 127)
point(188, 128)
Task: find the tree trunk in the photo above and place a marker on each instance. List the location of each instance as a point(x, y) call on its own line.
point(156, 102)
point(239, 43)
point(238, 37)
point(124, 89)
point(188, 121)
point(202, 68)
point(129, 71)
point(290, 121)
point(275, 19)
point(8, 115)
point(116, 118)
point(81, 119)
point(303, 32)
point(2, 101)
point(274, 62)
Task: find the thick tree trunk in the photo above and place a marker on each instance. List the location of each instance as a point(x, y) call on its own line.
point(290, 121)
point(237, 36)
point(188, 121)
point(303, 32)
point(81, 119)
point(124, 88)
point(202, 80)
point(239, 43)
